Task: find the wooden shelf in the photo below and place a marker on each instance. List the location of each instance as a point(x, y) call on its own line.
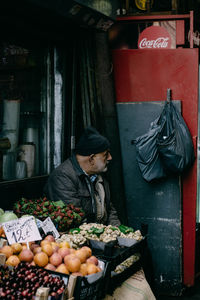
point(15, 68)
point(14, 182)
point(153, 16)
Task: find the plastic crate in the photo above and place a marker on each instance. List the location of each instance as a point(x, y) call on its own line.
point(115, 256)
point(89, 290)
point(115, 253)
point(115, 281)
point(91, 287)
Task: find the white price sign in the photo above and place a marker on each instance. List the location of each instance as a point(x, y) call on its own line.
point(22, 230)
point(48, 226)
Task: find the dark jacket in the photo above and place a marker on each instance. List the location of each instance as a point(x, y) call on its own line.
point(68, 183)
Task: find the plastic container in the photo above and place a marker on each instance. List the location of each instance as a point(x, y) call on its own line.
point(11, 115)
point(9, 166)
point(31, 135)
point(21, 169)
point(27, 154)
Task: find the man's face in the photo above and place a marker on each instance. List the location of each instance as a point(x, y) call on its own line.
point(100, 161)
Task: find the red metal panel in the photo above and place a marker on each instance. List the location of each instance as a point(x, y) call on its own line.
point(145, 75)
point(180, 32)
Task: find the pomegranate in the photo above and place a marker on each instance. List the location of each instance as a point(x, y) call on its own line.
point(49, 238)
point(7, 250)
point(13, 261)
point(88, 250)
point(81, 254)
point(63, 251)
point(62, 269)
point(41, 259)
point(55, 259)
point(93, 260)
point(50, 267)
point(26, 255)
point(72, 263)
point(91, 269)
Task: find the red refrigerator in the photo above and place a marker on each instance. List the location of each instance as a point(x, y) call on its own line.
point(168, 206)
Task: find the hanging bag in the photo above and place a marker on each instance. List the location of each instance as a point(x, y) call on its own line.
point(174, 142)
point(147, 154)
point(167, 147)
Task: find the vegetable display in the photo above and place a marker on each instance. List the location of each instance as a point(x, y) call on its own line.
point(7, 216)
point(63, 216)
point(99, 232)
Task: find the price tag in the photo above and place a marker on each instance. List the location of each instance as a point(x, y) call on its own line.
point(48, 226)
point(39, 223)
point(22, 230)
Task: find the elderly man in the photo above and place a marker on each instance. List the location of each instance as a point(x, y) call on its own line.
point(79, 179)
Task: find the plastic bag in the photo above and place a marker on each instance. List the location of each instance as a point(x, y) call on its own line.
point(167, 147)
point(147, 154)
point(174, 141)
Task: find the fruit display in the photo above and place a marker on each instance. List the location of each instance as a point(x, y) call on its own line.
point(50, 262)
point(99, 232)
point(50, 255)
point(23, 281)
point(63, 216)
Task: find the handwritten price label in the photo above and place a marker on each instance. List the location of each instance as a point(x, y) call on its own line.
point(48, 226)
point(22, 230)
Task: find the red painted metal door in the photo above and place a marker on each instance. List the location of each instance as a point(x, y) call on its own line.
point(145, 75)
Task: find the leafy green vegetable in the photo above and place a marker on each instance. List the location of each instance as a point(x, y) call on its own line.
point(113, 228)
point(97, 231)
point(74, 230)
point(125, 229)
point(59, 203)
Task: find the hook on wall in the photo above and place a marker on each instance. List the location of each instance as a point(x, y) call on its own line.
point(168, 95)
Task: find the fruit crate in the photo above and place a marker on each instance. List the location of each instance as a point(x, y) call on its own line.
point(114, 254)
point(114, 281)
point(15, 282)
point(82, 287)
point(90, 288)
point(86, 290)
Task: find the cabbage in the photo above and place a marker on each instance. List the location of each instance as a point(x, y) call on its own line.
point(8, 216)
point(1, 211)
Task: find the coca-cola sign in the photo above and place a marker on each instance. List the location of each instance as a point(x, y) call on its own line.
point(154, 37)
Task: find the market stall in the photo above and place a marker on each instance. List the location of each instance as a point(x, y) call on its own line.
point(56, 256)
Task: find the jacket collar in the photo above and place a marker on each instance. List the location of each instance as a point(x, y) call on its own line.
point(76, 165)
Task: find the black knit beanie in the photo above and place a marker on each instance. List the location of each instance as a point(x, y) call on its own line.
point(91, 142)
